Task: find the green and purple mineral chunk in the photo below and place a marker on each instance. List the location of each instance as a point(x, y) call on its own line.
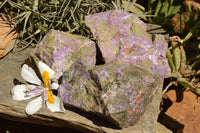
point(119, 89)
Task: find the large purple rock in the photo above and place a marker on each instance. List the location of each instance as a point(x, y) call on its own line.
point(117, 91)
point(122, 37)
point(61, 49)
point(125, 90)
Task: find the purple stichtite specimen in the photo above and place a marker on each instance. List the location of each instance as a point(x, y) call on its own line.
point(60, 49)
point(122, 37)
point(119, 90)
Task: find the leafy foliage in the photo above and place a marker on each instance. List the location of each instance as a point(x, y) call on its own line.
point(164, 10)
point(191, 22)
point(180, 71)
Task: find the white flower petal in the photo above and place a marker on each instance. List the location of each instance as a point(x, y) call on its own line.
point(34, 105)
point(57, 106)
point(29, 75)
point(54, 86)
point(44, 67)
point(18, 92)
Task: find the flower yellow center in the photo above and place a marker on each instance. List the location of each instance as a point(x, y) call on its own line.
point(50, 97)
point(45, 77)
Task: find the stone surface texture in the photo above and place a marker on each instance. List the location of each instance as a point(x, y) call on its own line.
point(186, 112)
point(81, 120)
point(159, 128)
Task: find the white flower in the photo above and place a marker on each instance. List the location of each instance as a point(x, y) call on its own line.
point(39, 89)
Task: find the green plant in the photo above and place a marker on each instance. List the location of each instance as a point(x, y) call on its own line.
point(164, 10)
point(34, 18)
point(190, 30)
point(188, 21)
point(180, 71)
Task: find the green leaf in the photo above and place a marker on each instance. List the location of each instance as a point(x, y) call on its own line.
point(189, 6)
point(158, 7)
point(176, 75)
point(3, 3)
point(176, 55)
point(62, 6)
point(197, 91)
point(35, 5)
point(26, 20)
point(150, 4)
point(115, 5)
point(185, 83)
point(16, 5)
point(164, 9)
point(188, 84)
point(175, 6)
point(183, 58)
point(189, 35)
point(170, 61)
point(20, 17)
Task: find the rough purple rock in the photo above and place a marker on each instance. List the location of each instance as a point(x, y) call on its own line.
point(122, 37)
point(119, 92)
point(61, 49)
point(78, 89)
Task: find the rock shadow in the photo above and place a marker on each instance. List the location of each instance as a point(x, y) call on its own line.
point(99, 57)
point(17, 82)
point(170, 123)
point(97, 119)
